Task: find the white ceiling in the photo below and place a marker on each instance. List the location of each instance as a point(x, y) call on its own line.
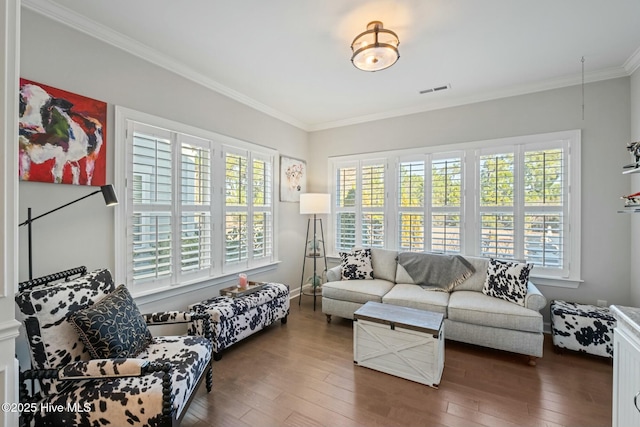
point(291, 58)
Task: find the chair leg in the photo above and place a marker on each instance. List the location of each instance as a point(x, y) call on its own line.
point(284, 320)
point(209, 378)
point(328, 318)
point(217, 356)
point(532, 361)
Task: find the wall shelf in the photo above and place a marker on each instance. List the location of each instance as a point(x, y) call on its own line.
point(630, 210)
point(628, 171)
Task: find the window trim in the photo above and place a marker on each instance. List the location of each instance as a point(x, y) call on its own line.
point(572, 139)
point(219, 273)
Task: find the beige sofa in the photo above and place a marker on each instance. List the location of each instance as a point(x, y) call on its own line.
point(470, 316)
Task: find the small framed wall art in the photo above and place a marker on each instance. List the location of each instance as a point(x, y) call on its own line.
point(293, 179)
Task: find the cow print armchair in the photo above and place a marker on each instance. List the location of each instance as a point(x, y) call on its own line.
point(94, 361)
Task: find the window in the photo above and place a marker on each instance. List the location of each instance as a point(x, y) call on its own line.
point(507, 199)
point(430, 187)
point(174, 200)
point(360, 205)
point(411, 205)
point(496, 205)
point(248, 219)
point(446, 203)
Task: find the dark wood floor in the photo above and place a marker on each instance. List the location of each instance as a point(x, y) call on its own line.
point(302, 374)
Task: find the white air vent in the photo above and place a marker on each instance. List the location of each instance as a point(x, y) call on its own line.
point(436, 89)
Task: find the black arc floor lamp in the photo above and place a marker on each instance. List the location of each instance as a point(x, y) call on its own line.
point(110, 199)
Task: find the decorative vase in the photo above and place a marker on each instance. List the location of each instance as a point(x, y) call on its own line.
point(314, 246)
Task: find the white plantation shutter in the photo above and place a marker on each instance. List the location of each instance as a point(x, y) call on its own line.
point(446, 204)
point(524, 205)
point(236, 207)
point(152, 167)
point(195, 244)
point(430, 187)
point(360, 205)
point(151, 232)
point(496, 205)
point(262, 229)
point(262, 235)
point(411, 205)
point(345, 200)
point(544, 201)
point(248, 224)
point(151, 245)
point(372, 200)
point(195, 192)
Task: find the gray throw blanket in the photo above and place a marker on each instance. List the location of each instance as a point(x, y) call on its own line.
point(436, 272)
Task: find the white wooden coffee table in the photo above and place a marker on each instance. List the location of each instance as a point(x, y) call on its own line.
point(401, 341)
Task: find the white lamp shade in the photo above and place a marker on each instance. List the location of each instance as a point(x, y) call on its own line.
point(315, 203)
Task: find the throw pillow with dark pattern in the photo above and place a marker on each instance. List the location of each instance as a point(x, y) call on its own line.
point(507, 280)
point(113, 327)
point(356, 265)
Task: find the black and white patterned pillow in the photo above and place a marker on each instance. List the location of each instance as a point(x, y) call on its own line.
point(356, 265)
point(507, 280)
point(113, 327)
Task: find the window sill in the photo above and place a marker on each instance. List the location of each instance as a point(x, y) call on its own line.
point(557, 282)
point(149, 296)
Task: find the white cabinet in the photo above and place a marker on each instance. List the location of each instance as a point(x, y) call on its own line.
point(626, 373)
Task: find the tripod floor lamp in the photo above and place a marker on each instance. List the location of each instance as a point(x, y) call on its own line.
point(110, 199)
point(314, 204)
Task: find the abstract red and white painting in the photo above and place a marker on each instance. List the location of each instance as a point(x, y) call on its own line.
point(62, 136)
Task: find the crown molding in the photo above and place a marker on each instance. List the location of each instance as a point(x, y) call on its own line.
point(633, 62)
point(80, 23)
point(591, 77)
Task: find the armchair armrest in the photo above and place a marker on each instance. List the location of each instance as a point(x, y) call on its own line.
point(200, 322)
point(98, 369)
point(534, 299)
point(103, 368)
point(170, 317)
point(334, 274)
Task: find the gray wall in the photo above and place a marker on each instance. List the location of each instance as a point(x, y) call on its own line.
point(605, 132)
point(635, 182)
point(56, 55)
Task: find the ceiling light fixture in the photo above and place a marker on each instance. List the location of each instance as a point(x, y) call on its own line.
point(375, 49)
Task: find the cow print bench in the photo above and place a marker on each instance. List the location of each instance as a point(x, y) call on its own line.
point(582, 327)
point(234, 319)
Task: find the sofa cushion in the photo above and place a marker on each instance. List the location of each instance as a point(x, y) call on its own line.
point(356, 265)
point(414, 296)
point(384, 263)
point(113, 327)
point(480, 309)
point(507, 280)
point(477, 279)
point(359, 291)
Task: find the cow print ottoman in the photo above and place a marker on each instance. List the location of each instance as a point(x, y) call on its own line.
point(234, 319)
point(582, 327)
